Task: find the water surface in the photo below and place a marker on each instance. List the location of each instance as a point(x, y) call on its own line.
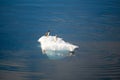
point(92, 25)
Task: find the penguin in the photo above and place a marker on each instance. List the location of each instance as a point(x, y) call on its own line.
point(55, 38)
point(47, 33)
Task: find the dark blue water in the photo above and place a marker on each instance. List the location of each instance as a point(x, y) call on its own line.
point(93, 25)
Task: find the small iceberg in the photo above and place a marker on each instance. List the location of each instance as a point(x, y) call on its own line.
point(55, 47)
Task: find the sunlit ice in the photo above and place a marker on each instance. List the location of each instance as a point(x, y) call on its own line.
point(55, 47)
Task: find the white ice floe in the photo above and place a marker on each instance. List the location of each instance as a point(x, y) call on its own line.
point(55, 46)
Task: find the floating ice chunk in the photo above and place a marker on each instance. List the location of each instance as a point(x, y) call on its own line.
point(55, 46)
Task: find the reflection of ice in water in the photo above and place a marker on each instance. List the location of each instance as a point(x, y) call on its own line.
point(55, 47)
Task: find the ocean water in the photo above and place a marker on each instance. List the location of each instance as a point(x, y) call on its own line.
point(93, 25)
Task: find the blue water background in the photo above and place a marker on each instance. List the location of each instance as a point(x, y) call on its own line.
point(93, 25)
